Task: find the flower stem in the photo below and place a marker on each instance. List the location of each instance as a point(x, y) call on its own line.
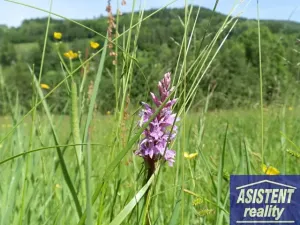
point(150, 164)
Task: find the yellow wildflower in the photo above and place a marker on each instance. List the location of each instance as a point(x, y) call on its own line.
point(57, 35)
point(290, 108)
point(270, 170)
point(190, 156)
point(94, 44)
point(108, 113)
point(45, 86)
point(71, 55)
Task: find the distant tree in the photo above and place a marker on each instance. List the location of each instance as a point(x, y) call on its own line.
point(7, 53)
point(234, 71)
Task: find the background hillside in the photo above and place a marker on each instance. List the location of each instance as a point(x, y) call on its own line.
point(234, 72)
point(63, 162)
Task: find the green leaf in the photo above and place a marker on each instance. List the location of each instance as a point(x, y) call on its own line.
point(133, 202)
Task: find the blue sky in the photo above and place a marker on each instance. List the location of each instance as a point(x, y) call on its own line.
point(13, 14)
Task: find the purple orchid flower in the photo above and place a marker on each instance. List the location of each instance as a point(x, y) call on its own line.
point(154, 145)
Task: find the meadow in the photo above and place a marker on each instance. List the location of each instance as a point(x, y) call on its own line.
point(195, 191)
point(66, 162)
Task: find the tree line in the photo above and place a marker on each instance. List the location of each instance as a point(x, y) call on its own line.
point(234, 72)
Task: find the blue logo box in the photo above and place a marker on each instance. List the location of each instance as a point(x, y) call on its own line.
point(261, 199)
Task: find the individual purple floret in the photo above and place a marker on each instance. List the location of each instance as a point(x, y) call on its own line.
point(154, 145)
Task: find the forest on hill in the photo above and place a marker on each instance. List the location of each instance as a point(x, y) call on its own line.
point(234, 72)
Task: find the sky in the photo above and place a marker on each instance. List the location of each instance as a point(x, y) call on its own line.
point(13, 14)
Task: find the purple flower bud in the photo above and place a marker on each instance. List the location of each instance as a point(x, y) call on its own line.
point(161, 130)
point(164, 86)
point(155, 99)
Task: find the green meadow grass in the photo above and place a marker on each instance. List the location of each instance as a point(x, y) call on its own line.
point(80, 168)
point(47, 200)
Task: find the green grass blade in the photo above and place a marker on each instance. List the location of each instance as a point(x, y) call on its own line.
point(75, 122)
point(249, 171)
point(133, 202)
point(59, 152)
point(175, 214)
point(220, 179)
point(88, 185)
point(260, 85)
point(95, 91)
point(37, 150)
